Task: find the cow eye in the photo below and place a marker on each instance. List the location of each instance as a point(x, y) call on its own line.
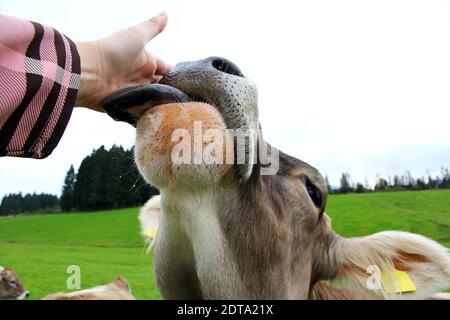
point(314, 193)
point(13, 282)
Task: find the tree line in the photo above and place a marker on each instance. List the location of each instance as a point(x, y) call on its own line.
point(105, 179)
point(109, 179)
point(396, 182)
point(29, 203)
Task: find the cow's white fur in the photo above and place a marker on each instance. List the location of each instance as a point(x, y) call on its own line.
point(149, 214)
point(381, 249)
point(149, 218)
point(441, 296)
point(192, 216)
point(116, 290)
point(98, 289)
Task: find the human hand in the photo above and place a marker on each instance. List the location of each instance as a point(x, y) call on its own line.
point(118, 61)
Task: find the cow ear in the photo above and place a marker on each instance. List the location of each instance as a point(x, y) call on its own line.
point(122, 283)
point(391, 265)
point(149, 219)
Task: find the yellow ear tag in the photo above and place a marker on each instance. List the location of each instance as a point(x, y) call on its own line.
point(151, 232)
point(399, 282)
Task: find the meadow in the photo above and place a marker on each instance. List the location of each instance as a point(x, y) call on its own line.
point(107, 244)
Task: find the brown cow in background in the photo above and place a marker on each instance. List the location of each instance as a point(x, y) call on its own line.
point(10, 285)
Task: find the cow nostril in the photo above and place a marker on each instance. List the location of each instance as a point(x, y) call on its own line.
point(227, 67)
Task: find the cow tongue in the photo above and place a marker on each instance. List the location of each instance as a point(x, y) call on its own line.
point(129, 103)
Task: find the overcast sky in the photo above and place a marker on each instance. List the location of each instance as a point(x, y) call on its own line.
point(348, 86)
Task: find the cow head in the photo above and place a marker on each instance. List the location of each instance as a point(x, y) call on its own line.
point(273, 229)
point(10, 285)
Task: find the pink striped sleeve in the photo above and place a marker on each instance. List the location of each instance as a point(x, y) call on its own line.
point(39, 79)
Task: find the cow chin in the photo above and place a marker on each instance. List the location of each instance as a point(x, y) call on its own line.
point(182, 144)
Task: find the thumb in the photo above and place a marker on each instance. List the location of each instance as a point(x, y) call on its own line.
point(152, 27)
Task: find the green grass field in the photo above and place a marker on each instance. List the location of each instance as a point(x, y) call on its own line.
point(107, 244)
point(104, 245)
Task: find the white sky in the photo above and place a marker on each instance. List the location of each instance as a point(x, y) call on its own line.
point(352, 86)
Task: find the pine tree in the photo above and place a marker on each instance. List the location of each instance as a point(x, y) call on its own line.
point(84, 185)
point(67, 197)
point(345, 183)
point(330, 190)
point(360, 188)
